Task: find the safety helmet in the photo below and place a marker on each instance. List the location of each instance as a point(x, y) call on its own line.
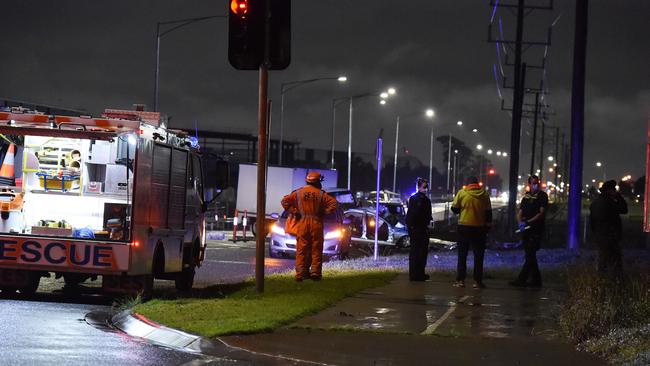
point(314, 177)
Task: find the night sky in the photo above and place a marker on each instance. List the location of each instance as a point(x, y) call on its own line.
point(92, 55)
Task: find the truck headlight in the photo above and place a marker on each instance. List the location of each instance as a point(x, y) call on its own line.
point(277, 230)
point(336, 234)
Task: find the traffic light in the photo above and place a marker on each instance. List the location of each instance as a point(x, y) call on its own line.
point(247, 33)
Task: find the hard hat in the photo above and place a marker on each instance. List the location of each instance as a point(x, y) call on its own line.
point(314, 177)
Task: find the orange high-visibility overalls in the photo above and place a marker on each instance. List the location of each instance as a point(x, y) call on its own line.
point(312, 204)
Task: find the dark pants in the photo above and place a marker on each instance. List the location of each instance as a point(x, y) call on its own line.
point(610, 258)
point(531, 240)
point(474, 236)
point(419, 238)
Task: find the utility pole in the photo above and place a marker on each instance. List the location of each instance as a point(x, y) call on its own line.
point(541, 152)
point(577, 123)
point(532, 158)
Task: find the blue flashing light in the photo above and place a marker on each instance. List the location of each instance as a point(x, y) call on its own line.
point(194, 142)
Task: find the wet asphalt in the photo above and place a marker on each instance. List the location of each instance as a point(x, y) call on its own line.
point(52, 328)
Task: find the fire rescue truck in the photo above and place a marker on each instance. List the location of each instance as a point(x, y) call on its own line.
point(119, 197)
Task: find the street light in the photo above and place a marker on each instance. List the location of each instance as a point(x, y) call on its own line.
point(550, 158)
point(177, 24)
point(284, 88)
point(351, 101)
point(479, 147)
point(426, 114)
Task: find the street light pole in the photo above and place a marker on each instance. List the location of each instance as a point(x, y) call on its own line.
point(350, 143)
point(335, 103)
point(431, 161)
point(383, 96)
point(179, 24)
point(285, 87)
point(448, 162)
point(395, 157)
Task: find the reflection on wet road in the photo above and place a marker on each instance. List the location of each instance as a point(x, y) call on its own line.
point(52, 329)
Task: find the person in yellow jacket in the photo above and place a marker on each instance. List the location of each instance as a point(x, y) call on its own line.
point(472, 204)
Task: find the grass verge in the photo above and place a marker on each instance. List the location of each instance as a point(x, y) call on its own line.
point(244, 311)
point(608, 318)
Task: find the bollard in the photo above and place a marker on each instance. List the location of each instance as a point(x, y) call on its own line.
point(234, 226)
point(244, 221)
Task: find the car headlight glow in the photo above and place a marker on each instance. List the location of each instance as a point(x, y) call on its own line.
point(277, 230)
point(333, 234)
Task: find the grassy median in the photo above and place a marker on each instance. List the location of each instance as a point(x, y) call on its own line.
point(244, 311)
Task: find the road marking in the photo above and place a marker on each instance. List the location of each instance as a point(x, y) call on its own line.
point(280, 357)
point(432, 328)
point(228, 262)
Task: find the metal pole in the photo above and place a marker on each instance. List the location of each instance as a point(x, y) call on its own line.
point(448, 162)
point(281, 124)
point(515, 132)
point(556, 158)
point(431, 163)
point(269, 118)
point(455, 174)
point(350, 144)
point(577, 123)
point(395, 158)
point(333, 132)
point(157, 70)
point(541, 152)
point(379, 146)
point(532, 158)
point(260, 238)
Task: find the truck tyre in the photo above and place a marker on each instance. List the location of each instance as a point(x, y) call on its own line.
point(30, 289)
point(73, 279)
point(147, 289)
point(185, 279)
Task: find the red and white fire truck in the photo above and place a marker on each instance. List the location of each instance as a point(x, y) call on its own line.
point(119, 197)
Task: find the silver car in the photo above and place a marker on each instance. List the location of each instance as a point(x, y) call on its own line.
point(336, 233)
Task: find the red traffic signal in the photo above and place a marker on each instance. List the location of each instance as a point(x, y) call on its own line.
point(239, 7)
point(492, 171)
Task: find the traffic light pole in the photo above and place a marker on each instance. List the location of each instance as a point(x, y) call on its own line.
point(261, 178)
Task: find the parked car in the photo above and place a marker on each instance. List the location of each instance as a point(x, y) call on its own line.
point(336, 233)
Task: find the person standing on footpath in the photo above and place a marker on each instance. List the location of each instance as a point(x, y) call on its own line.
point(531, 216)
point(418, 218)
point(472, 204)
point(308, 205)
point(606, 225)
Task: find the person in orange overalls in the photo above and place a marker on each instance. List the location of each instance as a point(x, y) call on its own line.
point(310, 203)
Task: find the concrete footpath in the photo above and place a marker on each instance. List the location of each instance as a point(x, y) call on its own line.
point(428, 323)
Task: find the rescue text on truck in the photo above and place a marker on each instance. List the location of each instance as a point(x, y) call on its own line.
point(121, 197)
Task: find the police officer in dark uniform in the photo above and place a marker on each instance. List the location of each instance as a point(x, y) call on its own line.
point(531, 215)
point(606, 225)
point(418, 218)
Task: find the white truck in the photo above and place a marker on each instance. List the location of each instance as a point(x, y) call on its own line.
point(119, 197)
point(280, 181)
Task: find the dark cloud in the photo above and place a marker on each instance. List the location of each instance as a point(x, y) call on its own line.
point(95, 54)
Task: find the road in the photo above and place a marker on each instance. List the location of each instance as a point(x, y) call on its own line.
point(54, 329)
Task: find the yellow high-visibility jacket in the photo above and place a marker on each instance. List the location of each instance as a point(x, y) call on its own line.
point(473, 204)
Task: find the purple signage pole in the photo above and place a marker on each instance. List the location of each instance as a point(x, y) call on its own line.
point(379, 145)
point(577, 124)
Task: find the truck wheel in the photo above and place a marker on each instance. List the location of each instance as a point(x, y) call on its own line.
point(73, 279)
point(30, 289)
point(147, 289)
point(185, 280)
